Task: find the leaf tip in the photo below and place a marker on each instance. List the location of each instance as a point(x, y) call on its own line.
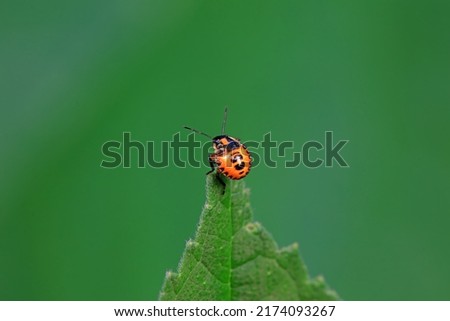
point(213, 187)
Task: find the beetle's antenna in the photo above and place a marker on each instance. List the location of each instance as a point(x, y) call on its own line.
point(224, 120)
point(198, 132)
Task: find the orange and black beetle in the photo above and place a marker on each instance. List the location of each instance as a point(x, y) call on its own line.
point(231, 158)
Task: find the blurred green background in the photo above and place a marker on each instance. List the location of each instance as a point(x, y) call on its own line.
point(77, 74)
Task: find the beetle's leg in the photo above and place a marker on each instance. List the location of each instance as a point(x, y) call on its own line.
point(212, 163)
point(221, 182)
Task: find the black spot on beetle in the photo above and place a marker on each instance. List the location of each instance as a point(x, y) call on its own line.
point(240, 166)
point(232, 145)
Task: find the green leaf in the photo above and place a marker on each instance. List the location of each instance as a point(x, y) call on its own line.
point(234, 258)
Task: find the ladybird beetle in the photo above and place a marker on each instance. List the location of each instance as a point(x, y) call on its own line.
point(231, 158)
